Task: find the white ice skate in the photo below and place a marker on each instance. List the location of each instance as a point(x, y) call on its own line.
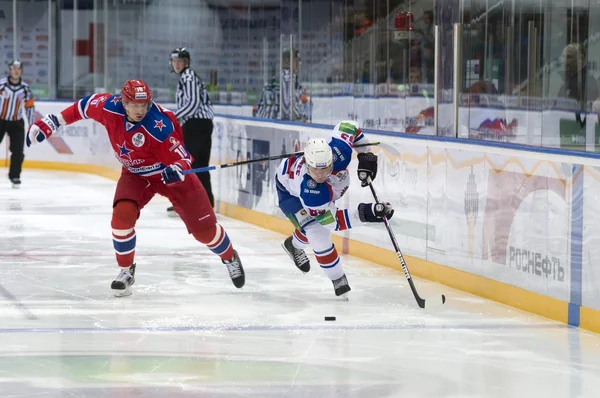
point(121, 286)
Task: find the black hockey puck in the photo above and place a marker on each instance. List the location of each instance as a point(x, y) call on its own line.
point(330, 318)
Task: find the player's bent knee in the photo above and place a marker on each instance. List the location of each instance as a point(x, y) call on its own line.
point(125, 214)
point(209, 235)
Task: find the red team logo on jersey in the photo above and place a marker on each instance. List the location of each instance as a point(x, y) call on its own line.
point(159, 125)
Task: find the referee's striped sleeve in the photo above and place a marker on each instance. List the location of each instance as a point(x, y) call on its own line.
point(191, 98)
point(29, 105)
point(206, 104)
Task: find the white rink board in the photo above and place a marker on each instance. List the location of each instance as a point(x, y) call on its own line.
point(520, 233)
point(591, 238)
point(525, 244)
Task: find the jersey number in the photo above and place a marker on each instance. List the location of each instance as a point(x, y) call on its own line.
point(294, 170)
point(349, 138)
point(181, 152)
point(315, 213)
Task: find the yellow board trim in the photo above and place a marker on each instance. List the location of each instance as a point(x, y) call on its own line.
point(461, 280)
point(484, 287)
point(589, 319)
point(75, 167)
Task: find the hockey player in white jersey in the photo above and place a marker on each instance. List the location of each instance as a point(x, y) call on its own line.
point(308, 187)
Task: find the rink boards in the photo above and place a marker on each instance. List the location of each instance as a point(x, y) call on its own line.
point(517, 226)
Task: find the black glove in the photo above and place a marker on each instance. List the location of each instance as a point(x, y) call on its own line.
point(367, 167)
point(374, 212)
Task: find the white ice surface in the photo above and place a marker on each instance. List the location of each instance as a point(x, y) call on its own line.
point(187, 332)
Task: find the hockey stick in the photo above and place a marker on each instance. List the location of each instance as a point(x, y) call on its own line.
point(420, 301)
point(223, 166)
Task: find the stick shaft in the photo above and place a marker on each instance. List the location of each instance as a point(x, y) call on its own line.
point(420, 301)
point(223, 166)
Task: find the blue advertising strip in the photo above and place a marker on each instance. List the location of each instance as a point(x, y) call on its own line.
point(576, 244)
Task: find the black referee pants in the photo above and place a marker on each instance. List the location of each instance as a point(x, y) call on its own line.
point(16, 133)
point(197, 137)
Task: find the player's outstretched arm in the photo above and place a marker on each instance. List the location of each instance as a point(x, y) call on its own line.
point(86, 108)
point(43, 128)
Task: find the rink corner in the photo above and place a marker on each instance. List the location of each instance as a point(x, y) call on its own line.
point(522, 299)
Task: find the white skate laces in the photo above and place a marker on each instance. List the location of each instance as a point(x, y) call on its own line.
point(124, 276)
point(300, 256)
point(234, 268)
point(340, 282)
point(121, 286)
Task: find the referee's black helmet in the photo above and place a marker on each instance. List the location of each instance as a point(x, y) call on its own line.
point(15, 63)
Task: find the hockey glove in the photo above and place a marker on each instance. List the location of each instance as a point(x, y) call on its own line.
point(42, 129)
point(374, 212)
point(367, 167)
point(172, 174)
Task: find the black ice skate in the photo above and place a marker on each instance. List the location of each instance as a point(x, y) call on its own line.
point(171, 212)
point(236, 271)
point(298, 256)
point(122, 285)
point(341, 286)
point(16, 183)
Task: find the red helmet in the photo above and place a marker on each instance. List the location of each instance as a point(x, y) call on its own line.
point(136, 91)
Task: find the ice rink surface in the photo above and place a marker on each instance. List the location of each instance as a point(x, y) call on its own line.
point(188, 332)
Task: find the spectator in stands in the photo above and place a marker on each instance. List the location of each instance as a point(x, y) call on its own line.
point(366, 73)
point(428, 47)
point(415, 76)
point(427, 28)
point(482, 87)
point(415, 52)
point(362, 22)
point(578, 84)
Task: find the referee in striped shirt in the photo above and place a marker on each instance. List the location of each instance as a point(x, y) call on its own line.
point(15, 96)
point(195, 114)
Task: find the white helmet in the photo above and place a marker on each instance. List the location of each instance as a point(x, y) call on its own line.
point(318, 153)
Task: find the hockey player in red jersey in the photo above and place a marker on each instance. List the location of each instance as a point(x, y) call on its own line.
point(148, 141)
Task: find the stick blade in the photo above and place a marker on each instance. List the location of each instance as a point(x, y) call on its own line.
point(431, 302)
